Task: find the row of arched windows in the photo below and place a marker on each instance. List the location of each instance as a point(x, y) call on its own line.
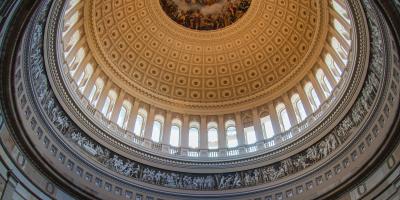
point(303, 101)
point(283, 116)
point(298, 106)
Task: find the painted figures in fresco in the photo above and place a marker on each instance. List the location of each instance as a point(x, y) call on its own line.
point(205, 14)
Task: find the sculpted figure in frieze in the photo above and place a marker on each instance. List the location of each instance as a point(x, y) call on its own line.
point(247, 179)
point(360, 111)
point(135, 171)
point(237, 181)
point(265, 174)
point(61, 122)
point(256, 175)
point(343, 129)
point(102, 155)
point(159, 178)
point(323, 148)
point(331, 142)
point(170, 182)
point(210, 183)
point(287, 166)
point(148, 175)
point(300, 162)
point(312, 154)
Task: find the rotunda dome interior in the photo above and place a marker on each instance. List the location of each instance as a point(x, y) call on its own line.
point(268, 75)
point(199, 99)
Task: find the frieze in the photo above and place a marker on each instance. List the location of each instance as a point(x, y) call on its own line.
point(220, 181)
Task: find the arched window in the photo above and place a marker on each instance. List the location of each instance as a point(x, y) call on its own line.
point(250, 135)
point(175, 135)
point(231, 138)
point(267, 127)
point(123, 116)
point(92, 93)
point(283, 116)
point(323, 82)
point(85, 76)
point(71, 21)
point(312, 96)
point(95, 92)
point(341, 30)
point(80, 79)
point(298, 108)
point(333, 67)
point(157, 128)
point(340, 10)
point(72, 42)
point(212, 135)
point(138, 130)
point(140, 122)
point(108, 106)
point(339, 49)
point(72, 3)
point(194, 135)
point(77, 60)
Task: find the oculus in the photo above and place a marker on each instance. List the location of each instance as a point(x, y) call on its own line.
point(205, 14)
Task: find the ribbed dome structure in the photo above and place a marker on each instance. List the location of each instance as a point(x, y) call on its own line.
point(151, 57)
point(199, 99)
point(267, 79)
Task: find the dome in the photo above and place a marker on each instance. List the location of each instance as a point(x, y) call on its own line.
point(155, 59)
point(267, 79)
point(199, 99)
